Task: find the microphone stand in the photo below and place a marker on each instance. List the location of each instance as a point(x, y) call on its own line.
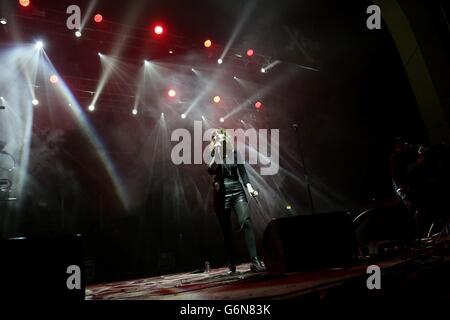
point(302, 159)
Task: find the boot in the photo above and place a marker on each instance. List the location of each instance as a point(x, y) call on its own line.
point(231, 269)
point(256, 265)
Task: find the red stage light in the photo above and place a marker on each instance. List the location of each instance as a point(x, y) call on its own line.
point(216, 99)
point(258, 105)
point(208, 43)
point(24, 3)
point(250, 52)
point(98, 18)
point(159, 30)
point(172, 93)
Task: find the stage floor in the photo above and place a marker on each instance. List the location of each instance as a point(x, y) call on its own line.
point(419, 272)
point(217, 285)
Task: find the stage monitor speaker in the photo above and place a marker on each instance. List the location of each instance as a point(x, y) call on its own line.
point(309, 242)
point(42, 269)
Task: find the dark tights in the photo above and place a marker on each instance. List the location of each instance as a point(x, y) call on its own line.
point(243, 214)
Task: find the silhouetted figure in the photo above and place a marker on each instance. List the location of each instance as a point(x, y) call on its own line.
point(229, 195)
point(420, 177)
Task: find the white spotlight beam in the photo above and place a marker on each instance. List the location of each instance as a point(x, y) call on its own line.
point(29, 63)
point(140, 86)
point(242, 19)
point(208, 88)
point(90, 133)
point(88, 13)
point(19, 67)
point(117, 49)
point(271, 86)
point(112, 65)
point(271, 65)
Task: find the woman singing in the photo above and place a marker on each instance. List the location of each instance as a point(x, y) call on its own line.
point(226, 166)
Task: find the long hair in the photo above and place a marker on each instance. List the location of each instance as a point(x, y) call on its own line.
point(221, 136)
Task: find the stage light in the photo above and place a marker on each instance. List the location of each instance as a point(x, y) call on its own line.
point(216, 99)
point(91, 108)
point(54, 78)
point(158, 30)
point(219, 61)
point(78, 33)
point(3, 21)
point(258, 105)
point(221, 120)
point(192, 69)
point(39, 45)
point(235, 78)
point(207, 43)
point(203, 118)
point(35, 102)
point(170, 51)
point(24, 3)
point(98, 18)
point(162, 114)
point(134, 112)
point(172, 93)
point(99, 54)
point(183, 116)
point(288, 207)
point(269, 66)
point(145, 62)
point(250, 52)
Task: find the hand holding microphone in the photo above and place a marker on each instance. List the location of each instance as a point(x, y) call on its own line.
point(217, 146)
point(252, 191)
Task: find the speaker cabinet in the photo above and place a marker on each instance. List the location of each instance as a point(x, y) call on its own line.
point(309, 242)
point(42, 269)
